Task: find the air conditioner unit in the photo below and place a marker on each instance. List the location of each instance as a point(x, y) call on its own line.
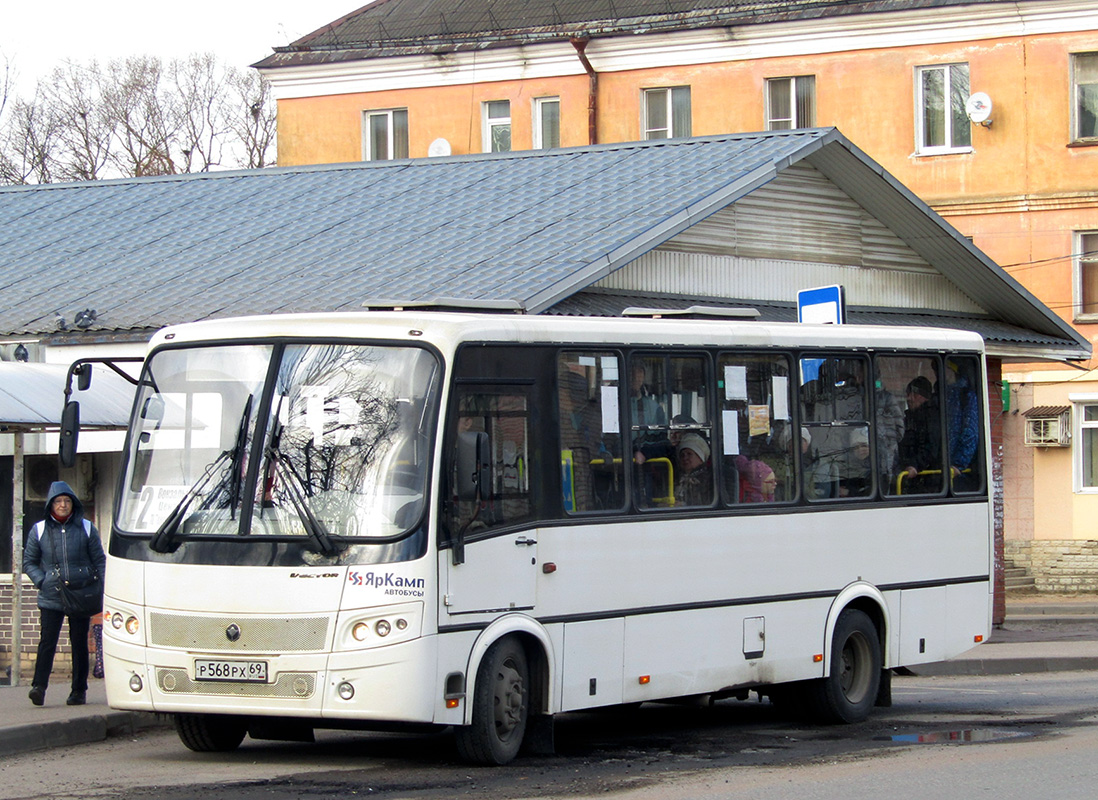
point(1048, 431)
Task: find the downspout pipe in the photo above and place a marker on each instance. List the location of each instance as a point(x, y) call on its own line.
point(592, 92)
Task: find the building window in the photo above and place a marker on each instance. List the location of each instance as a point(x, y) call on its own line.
point(667, 112)
point(546, 122)
point(1084, 79)
point(1086, 276)
point(790, 103)
point(942, 121)
point(1087, 450)
point(385, 134)
point(497, 126)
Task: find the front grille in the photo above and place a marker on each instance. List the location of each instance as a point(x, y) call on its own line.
point(256, 634)
point(294, 685)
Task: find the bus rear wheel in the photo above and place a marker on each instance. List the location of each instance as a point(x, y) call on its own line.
point(210, 733)
point(848, 693)
point(501, 706)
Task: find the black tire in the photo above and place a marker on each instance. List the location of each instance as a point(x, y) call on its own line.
point(210, 733)
point(501, 706)
point(849, 692)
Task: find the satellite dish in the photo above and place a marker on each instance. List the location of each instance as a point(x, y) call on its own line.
point(978, 108)
point(439, 147)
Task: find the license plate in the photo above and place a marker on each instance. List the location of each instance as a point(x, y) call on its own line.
point(218, 670)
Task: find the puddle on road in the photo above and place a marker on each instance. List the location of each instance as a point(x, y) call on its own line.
point(965, 736)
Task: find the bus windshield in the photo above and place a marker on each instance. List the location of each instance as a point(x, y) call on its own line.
point(327, 441)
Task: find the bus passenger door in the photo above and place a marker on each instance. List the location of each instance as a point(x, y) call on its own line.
point(495, 570)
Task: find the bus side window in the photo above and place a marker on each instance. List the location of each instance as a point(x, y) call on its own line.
point(835, 410)
point(505, 416)
point(757, 441)
point(592, 470)
point(918, 464)
point(961, 391)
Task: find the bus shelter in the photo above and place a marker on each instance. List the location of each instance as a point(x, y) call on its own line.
point(32, 398)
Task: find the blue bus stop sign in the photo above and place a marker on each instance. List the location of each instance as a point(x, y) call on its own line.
point(826, 304)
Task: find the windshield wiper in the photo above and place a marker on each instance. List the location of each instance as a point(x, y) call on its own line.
point(316, 530)
point(163, 540)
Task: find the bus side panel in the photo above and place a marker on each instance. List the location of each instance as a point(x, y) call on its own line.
point(707, 650)
point(593, 663)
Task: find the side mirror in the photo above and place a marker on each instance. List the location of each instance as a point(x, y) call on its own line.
point(474, 465)
point(153, 409)
point(70, 430)
point(84, 377)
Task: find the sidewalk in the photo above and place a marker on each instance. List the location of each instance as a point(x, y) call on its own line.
point(1041, 634)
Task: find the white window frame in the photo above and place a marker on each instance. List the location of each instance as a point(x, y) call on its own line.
point(1084, 254)
point(390, 127)
point(539, 107)
point(796, 83)
point(490, 123)
point(951, 145)
point(1076, 103)
point(665, 95)
point(1079, 403)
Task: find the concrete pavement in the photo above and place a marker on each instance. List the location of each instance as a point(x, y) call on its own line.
point(1041, 634)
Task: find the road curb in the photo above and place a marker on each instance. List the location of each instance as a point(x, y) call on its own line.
point(79, 730)
point(1006, 666)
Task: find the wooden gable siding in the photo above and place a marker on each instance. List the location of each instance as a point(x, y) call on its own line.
point(798, 231)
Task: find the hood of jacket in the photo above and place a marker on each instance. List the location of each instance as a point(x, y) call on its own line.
point(58, 488)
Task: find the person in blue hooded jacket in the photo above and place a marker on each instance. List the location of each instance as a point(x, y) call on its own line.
point(64, 547)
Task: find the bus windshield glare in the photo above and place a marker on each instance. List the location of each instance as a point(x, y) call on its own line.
point(328, 441)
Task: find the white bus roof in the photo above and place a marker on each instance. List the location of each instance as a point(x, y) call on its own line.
point(445, 330)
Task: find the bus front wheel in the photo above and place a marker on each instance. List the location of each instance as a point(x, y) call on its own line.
point(501, 706)
point(848, 693)
point(210, 733)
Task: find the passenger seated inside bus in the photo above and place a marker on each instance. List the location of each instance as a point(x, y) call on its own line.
point(694, 484)
point(821, 477)
point(858, 480)
point(921, 446)
point(757, 480)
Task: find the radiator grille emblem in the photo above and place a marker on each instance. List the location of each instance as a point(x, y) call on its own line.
point(232, 633)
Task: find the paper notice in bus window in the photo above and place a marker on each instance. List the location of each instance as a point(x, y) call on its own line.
point(586, 361)
point(610, 412)
point(609, 368)
point(730, 421)
point(735, 383)
point(758, 420)
point(781, 396)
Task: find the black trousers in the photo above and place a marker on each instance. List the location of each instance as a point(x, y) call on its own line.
point(47, 647)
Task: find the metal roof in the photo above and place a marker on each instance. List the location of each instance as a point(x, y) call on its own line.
point(533, 227)
point(402, 27)
point(32, 397)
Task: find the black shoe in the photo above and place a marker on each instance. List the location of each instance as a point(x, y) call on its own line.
point(77, 699)
point(37, 695)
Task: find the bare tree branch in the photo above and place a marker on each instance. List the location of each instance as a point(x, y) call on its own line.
point(135, 116)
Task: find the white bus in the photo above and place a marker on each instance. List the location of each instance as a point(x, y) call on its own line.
point(483, 520)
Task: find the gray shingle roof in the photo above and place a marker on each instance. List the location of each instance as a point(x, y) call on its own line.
point(399, 27)
point(535, 227)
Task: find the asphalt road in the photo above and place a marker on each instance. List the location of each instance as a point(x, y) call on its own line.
point(1011, 736)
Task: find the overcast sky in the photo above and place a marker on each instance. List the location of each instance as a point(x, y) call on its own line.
point(36, 36)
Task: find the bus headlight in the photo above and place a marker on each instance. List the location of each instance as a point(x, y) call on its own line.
point(360, 631)
point(383, 627)
point(132, 625)
point(346, 691)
